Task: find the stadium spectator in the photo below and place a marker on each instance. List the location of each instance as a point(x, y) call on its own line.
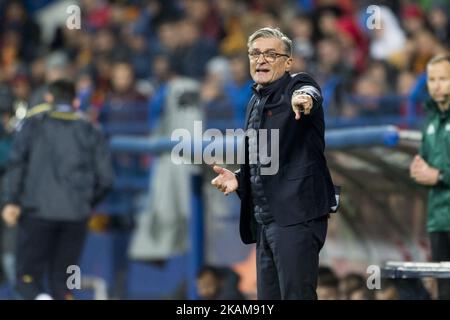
point(387, 290)
point(218, 283)
point(327, 284)
point(353, 287)
point(124, 109)
point(238, 88)
point(439, 21)
point(194, 47)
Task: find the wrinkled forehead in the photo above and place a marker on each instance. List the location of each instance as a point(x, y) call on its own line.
point(267, 44)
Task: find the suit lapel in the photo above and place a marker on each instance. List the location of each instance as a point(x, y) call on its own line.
point(249, 109)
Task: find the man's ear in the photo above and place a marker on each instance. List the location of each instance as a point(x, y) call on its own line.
point(288, 63)
point(48, 97)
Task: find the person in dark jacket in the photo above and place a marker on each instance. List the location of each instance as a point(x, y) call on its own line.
point(431, 167)
point(285, 211)
point(58, 169)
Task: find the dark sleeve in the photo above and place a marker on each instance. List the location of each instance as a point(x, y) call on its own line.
point(423, 150)
point(445, 171)
point(12, 184)
point(104, 173)
point(303, 81)
point(238, 175)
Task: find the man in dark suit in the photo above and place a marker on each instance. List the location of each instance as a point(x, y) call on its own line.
point(285, 213)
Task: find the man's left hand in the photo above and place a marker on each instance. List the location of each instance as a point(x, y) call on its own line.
point(301, 103)
point(422, 173)
point(10, 214)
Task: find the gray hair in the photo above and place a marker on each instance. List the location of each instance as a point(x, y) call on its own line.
point(269, 32)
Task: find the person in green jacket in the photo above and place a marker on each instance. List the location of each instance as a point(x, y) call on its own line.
point(431, 167)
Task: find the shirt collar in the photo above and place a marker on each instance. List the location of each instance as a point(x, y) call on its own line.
point(271, 87)
point(432, 106)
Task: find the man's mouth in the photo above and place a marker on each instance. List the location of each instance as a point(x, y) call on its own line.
point(262, 70)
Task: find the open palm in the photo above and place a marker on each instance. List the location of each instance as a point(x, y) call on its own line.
point(225, 181)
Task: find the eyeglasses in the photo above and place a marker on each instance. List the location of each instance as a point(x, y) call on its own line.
point(269, 56)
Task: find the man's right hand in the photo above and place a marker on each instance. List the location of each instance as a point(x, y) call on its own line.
point(226, 180)
point(10, 214)
point(422, 172)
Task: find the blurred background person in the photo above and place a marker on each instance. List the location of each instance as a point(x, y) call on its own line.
point(354, 287)
point(162, 225)
point(387, 291)
point(218, 283)
point(327, 284)
point(51, 194)
point(431, 167)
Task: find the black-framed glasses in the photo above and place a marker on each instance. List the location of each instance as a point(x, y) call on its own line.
point(269, 56)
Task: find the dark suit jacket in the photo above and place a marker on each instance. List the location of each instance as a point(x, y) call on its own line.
point(302, 188)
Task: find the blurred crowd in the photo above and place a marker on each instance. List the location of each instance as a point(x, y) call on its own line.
point(221, 283)
point(126, 51)
point(355, 286)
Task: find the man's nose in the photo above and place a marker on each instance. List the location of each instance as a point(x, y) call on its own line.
point(437, 87)
point(261, 63)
